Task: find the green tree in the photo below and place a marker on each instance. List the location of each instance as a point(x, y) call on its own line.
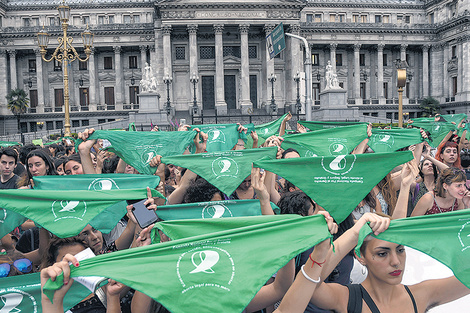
point(429, 107)
point(17, 103)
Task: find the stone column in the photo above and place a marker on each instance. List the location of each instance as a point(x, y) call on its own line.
point(3, 77)
point(445, 76)
point(465, 87)
point(269, 70)
point(39, 79)
point(220, 104)
point(436, 71)
point(245, 69)
point(403, 47)
point(357, 72)
point(294, 64)
point(380, 70)
point(193, 65)
point(333, 55)
point(92, 76)
point(143, 56)
point(425, 79)
point(13, 74)
point(167, 66)
point(119, 75)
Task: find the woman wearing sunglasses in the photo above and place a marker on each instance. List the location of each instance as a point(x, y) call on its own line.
point(12, 266)
point(450, 194)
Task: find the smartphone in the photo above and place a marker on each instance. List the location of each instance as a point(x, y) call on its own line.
point(144, 216)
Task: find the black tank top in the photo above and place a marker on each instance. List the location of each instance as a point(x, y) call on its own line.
point(357, 293)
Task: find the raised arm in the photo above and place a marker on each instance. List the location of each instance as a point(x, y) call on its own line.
point(334, 296)
point(408, 174)
point(299, 294)
point(423, 204)
point(84, 150)
point(282, 129)
point(257, 181)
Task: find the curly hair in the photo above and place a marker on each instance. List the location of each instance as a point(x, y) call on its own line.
point(200, 190)
point(295, 202)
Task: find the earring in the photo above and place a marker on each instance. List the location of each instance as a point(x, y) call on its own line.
point(364, 270)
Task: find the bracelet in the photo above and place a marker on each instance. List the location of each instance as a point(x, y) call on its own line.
point(315, 262)
point(308, 277)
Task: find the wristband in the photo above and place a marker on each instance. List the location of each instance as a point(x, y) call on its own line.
point(315, 262)
point(308, 277)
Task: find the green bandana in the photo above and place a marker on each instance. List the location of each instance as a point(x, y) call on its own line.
point(138, 148)
point(108, 218)
point(336, 141)
point(338, 183)
point(450, 243)
point(389, 140)
point(63, 212)
point(314, 125)
point(22, 293)
point(225, 170)
point(264, 131)
point(211, 209)
point(456, 118)
point(9, 220)
point(221, 137)
point(9, 143)
point(215, 272)
point(465, 127)
point(438, 130)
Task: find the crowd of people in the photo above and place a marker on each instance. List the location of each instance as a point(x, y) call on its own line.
point(317, 280)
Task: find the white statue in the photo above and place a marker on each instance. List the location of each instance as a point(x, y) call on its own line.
point(331, 77)
point(148, 82)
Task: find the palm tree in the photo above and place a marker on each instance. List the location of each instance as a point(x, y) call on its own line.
point(17, 103)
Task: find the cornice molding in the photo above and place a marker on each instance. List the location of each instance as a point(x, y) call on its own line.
point(357, 28)
point(229, 6)
point(362, 5)
point(85, 6)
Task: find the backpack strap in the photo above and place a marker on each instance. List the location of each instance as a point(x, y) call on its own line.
point(355, 299)
point(370, 303)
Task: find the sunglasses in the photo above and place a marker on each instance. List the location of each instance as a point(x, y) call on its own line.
point(23, 265)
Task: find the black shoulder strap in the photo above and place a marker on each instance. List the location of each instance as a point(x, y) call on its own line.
point(412, 299)
point(355, 299)
point(370, 303)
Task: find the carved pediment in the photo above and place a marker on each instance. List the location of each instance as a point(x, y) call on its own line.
point(231, 60)
point(106, 76)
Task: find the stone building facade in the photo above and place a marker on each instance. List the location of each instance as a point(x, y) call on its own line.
point(223, 44)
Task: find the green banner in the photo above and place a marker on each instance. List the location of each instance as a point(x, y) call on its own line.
point(437, 130)
point(225, 170)
point(214, 272)
point(264, 131)
point(138, 148)
point(22, 293)
point(212, 209)
point(335, 141)
point(450, 245)
point(221, 137)
point(351, 176)
point(66, 213)
point(316, 125)
point(390, 140)
point(9, 143)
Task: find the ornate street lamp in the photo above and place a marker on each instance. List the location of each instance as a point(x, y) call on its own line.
point(65, 53)
point(167, 80)
point(272, 79)
point(298, 105)
point(194, 80)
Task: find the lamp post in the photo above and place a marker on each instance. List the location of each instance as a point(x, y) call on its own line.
point(401, 82)
point(167, 80)
point(40, 125)
point(272, 79)
point(194, 80)
point(298, 105)
point(65, 53)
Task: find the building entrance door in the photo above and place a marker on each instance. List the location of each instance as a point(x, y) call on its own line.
point(230, 92)
point(208, 93)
